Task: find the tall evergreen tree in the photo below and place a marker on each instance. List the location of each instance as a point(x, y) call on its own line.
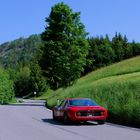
point(119, 45)
point(65, 47)
point(100, 53)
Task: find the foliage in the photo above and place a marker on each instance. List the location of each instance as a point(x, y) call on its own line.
point(133, 49)
point(28, 80)
point(18, 57)
point(6, 87)
point(65, 48)
point(22, 82)
point(101, 53)
point(37, 81)
point(119, 45)
point(104, 51)
point(19, 52)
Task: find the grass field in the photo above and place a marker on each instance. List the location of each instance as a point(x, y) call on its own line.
point(116, 87)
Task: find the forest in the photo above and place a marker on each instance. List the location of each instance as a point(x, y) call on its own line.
point(19, 55)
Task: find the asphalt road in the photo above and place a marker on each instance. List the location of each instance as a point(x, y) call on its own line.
point(32, 121)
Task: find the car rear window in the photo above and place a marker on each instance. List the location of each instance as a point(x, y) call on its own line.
point(82, 102)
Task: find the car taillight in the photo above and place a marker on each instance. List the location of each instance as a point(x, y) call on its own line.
point(78, 114)
point(102, 113)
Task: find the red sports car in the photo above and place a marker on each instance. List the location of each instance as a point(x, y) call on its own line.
point(79, 110)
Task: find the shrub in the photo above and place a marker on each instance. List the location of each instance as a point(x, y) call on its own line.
point(6, 87)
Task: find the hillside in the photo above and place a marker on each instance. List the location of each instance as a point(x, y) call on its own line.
point(117, 87)
point(19, 51)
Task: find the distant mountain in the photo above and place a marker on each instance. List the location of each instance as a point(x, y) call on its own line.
point(19, 51)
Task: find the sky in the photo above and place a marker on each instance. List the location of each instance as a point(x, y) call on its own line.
point(22, 18)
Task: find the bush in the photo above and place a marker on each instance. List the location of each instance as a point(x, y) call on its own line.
point(28, 80)
point(22, 82)
point(6, 87)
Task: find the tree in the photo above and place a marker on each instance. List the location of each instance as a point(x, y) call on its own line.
point(37, 81)
point(65, 47)
point(6, 87)
point(101, 53)
point(135, 48)
point(119, 45)
point(22, 81)
point(20, 51)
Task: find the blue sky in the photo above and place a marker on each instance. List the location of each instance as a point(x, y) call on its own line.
point(22, 18)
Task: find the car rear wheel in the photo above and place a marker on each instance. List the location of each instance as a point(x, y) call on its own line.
point(66, 118)
point(101, 122)
point(54, 117)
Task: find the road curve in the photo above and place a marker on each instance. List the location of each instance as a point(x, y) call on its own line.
point(32, 121)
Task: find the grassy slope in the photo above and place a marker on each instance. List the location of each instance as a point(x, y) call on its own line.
point(117, 87)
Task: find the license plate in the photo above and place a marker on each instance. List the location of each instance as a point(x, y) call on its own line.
point(90, 115)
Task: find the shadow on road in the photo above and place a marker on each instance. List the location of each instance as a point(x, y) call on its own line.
point(25, 104)
point(53, 122)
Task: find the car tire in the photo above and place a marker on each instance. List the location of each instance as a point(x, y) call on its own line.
point(66, 118)
point(54, 117)
point(101, 122)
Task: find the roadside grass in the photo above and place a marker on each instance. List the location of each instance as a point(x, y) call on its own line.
point(46, 95)
point(116, 87)
point(14, 100)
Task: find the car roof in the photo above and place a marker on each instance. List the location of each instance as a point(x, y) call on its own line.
point(77, 99)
